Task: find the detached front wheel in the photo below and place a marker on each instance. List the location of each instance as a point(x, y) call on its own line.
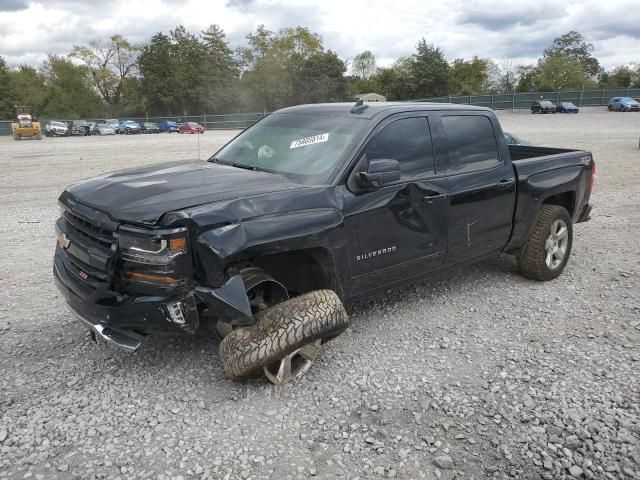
point(285, 339)
point(548, 248)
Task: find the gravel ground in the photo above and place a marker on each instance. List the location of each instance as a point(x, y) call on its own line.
point(476, 374)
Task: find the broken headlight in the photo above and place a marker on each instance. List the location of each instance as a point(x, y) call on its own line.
point(154, 257)
point(152, 248)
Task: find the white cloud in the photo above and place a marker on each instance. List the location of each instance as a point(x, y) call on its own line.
point(487, 28)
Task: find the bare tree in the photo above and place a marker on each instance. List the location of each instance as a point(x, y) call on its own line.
point(110, 63)
point(364, 64)
point(509, 73)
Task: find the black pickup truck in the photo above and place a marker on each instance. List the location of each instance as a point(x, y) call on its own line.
point(310, 207)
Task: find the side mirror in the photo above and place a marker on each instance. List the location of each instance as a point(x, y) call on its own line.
point(380, 172)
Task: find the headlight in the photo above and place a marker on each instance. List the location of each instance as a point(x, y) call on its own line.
point(151, 247)
point(153, 258)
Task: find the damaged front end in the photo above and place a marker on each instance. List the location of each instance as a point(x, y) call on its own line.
point(126, 282)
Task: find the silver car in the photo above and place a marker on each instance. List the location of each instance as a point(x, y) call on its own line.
point(104, 129)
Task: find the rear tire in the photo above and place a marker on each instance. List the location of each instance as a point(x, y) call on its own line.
point(281, 330)
point(548, 248)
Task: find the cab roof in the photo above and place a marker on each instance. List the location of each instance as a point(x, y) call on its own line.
point(374, 109)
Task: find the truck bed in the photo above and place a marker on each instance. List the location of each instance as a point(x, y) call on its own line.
point(525, 152)
point(543, 172)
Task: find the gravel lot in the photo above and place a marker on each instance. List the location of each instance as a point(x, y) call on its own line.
point(477, 374)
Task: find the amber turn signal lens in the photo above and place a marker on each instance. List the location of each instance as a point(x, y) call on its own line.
point(152, 277)
point(179, 243)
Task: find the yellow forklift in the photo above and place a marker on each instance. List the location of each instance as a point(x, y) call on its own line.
point(25, 125)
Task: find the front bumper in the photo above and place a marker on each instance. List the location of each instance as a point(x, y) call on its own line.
point(125, 322)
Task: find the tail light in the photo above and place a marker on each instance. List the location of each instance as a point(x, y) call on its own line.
point(592, 179)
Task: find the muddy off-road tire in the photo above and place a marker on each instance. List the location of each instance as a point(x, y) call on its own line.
point(281, 330)
point(549, 246)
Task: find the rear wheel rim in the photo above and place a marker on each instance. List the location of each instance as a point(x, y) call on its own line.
point(556, 244)
point(294, 365)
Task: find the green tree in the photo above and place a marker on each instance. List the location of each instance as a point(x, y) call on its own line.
point(364, 65)
point(573, 45)
point(272, 64)
point(526, 78)
point(221, 71)
point(189, 58)
point(430, 71)
point(158, 68)
point(622, 76)
point(109, 63)
point(321, 79)
point(7, 93)
point(29, 86)
point(559, 72)
point(397, 82)
point(69, 90)
point(469, 76)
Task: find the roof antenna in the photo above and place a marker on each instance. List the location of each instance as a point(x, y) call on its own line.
point(359, 107)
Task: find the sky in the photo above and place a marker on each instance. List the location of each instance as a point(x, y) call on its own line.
point(32, 29)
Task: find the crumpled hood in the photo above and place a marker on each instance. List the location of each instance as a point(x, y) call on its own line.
point(144, 194)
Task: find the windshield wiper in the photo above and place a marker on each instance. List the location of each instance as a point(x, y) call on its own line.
point(253, 168)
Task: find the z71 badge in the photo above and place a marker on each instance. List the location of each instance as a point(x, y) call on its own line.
point(375, 253)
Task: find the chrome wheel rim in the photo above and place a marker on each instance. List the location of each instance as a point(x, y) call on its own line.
point(556, 244)
point(294, 365)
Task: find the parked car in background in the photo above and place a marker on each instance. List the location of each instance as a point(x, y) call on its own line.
point(128, 127)
point(566, 107)
point(78, 128)
point(113, 123)
point(81, 127)
point(623, 104)
point(191, 127)
point(513, 140)
point(168, 126)
point(543, 106)
point(103, 129)
point(56, 129)
point(149, 127)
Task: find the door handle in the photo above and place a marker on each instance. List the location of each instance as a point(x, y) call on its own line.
point(432, 197)
point(506, 183)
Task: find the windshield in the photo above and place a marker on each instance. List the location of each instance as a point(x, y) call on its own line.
point(304, 148)
point(545, 104)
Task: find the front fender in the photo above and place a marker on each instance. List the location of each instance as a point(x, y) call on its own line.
point(266, 234)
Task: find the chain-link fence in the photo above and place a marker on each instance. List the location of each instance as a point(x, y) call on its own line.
point(515, 100)
point(498, 101)
point(210, 122)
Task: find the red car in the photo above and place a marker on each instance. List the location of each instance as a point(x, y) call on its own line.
point(191, 127)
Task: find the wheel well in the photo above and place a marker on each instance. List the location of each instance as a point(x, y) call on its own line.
point(566, 200)
point(301, 271)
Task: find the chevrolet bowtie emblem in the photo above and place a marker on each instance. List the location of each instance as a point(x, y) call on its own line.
point(63, 241)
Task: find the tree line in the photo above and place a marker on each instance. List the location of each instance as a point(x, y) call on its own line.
point(184, 73)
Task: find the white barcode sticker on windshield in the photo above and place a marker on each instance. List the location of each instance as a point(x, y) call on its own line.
point(303, 142)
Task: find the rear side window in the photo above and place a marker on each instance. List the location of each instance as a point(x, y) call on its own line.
point(471, 143)
point(409, 142)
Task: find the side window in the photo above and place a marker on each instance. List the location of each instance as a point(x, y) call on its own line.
point(409, 142)
point(471, 143)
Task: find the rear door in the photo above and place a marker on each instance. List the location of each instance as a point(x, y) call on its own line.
point(398, 231)
point(481, 183)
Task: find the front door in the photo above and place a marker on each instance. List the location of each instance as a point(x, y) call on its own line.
point(398, 231)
